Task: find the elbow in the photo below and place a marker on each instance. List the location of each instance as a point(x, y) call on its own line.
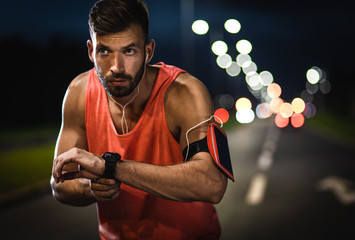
point(217, 190)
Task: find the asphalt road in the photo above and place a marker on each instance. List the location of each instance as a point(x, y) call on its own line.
point(290, 184)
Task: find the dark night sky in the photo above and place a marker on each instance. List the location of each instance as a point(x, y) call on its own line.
point(41, 37)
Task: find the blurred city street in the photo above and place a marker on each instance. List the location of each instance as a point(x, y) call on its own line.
point(290, 184)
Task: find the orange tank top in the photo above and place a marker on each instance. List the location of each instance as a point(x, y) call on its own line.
point(135, 214)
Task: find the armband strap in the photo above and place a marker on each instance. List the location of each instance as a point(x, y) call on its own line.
point(216, 144)
point(196, 147)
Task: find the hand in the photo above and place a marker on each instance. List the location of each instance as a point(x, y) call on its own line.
point(105, 189)
point(90, 166)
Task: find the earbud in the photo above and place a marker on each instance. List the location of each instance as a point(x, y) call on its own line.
point(146, 57)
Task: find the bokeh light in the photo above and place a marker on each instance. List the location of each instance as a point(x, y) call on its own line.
point(311, 88)
point(298, 105)
point(245, 116)
point(263, 110)
point(325, 86)
point(274, 90)
point(252, 80)
point(243, 104)
point(266, 78)
point(275, 104)
point(219, 48)
point(286, 110)
point(232, 26)
point(224, 101)
point(250, 69)
point(310, 110)
point(244, 46)
point(243, 60)
point(297, 120)
point(313, 76)
point(221, 114)
point(224, 61)
point(233, 70)
point(280, 121)
point(200, 27)
point(306, 96)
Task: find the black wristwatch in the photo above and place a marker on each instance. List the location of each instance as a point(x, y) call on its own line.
point(110, 163)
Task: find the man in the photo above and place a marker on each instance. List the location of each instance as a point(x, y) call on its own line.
point(142, 112)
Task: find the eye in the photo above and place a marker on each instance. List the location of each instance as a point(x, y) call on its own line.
point(102, 51)
point(130, 51)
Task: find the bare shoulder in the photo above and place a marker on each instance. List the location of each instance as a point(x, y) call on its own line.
point(187, 92)
point(74, 100)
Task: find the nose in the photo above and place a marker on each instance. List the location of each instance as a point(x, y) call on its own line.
point(117, 64)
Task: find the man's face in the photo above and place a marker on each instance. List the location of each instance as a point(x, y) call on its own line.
point(119, 60)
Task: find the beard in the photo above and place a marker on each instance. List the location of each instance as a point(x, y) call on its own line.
point(121, 91)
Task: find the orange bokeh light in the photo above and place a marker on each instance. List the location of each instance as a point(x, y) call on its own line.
point(275, 104)
point(221, 114)
point(274, 90)
point(280, 121)
point(297, 120)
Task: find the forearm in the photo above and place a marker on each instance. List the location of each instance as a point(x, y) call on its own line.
point(75, 192)
point(190, 181)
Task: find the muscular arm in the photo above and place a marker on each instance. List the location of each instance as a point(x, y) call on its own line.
point(187, 103)
point(72, 134)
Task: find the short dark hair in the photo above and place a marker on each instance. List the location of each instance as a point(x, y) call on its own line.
point(112, 16)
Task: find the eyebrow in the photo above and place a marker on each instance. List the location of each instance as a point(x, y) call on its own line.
point(131, 45)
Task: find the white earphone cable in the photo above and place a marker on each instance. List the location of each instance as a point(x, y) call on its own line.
point(188, 131)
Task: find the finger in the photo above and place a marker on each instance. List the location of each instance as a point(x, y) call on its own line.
point(111, 194)
point(76, 174)
point(106, 181)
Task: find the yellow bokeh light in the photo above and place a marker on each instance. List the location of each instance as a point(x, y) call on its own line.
point(286, 110)
point(243, 104)
point(275, 105)
point(298, 105)
point(274, 90)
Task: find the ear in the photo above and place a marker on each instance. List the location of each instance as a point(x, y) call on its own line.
point(149, 50)
point(90, 50)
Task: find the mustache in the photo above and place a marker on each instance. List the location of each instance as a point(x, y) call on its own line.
point(119, 75)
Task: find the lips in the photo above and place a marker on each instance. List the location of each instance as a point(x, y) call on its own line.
point(118, 82)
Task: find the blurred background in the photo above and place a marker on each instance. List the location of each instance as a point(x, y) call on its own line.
point(281, 75)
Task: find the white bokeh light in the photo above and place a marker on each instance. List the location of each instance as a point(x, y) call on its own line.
point(224, 61)
point(266, 78)
point(200, 27)
point(245, 116)
point(251, 69)
point(219, 48)
point(243, 60)
point(232, 26)
point(313, 76)
point(244, 46)
point(233, 70)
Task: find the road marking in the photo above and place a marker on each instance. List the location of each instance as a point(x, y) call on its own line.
point(340, 187)
point(257, 188)
point(269, 147)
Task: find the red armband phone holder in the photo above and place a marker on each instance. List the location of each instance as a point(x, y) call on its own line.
point(218, 147)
